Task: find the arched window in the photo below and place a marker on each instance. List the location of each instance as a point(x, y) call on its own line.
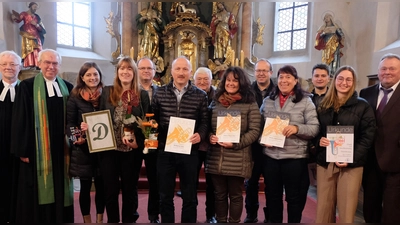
point(291, 26)
point(74, 24)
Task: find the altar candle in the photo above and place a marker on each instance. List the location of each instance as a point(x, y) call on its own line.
point(233, 58)
point(131, 52)
point(237, 62)
point(242, 58)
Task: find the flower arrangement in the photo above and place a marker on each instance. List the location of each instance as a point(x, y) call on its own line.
point(149, 128)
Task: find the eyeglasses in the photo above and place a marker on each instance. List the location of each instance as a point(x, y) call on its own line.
point(262, 71)
point(341, 79)
point(146, 68)
point(4, 65)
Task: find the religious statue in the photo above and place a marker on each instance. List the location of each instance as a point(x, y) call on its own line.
point(217, 68)
point(150, 25)
point(224, 27)
point(32, 32)
point(330, 39)
point(188, 47)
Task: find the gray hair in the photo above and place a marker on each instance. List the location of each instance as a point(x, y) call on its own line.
point(390, 56)
point(146, 57)
point(11, 53)
point(264, 60)
point(203, 70)
point(49, 50)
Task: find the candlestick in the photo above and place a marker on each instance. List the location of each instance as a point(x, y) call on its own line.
point(233, 58)
point(242, 58)
point(132, 52)
point(237, 62)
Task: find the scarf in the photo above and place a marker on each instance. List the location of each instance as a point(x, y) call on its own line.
point(283, 98)
point(92, 97)
point(227, 99)
point(44, 168)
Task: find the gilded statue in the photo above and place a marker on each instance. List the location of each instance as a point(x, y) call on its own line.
point(150, 25)
point(330, 39)
point(188, 47)
point(32, 32)
point(224, 27)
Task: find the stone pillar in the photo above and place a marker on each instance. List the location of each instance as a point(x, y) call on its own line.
point(247, 18)
point(126, 33)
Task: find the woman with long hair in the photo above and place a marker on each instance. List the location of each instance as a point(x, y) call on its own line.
point(85, 98)
point(127, 104)
point(285, 168)
point(338, 183)
point(230, 163)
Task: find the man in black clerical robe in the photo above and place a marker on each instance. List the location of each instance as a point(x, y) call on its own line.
point(44, 187)
point(10, 65)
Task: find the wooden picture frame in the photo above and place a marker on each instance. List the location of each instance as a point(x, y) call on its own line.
point(100, 134)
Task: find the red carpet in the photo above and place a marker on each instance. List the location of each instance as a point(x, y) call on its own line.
point(308, 213)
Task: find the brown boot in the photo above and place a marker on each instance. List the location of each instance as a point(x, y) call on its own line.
point(87, 219)
point(99, 218)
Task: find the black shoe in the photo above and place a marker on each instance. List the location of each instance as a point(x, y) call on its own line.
point(135, 216)
point(154, 221)
point(179, 193)
point(250, 220)
point(211, 220)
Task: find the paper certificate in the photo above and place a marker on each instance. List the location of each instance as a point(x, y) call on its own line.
point(273, 127)
point(179, 132)
point(341, 147)
point(228, 126)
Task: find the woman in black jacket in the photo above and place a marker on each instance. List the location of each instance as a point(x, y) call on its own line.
point(338, 183)
point(84, 98)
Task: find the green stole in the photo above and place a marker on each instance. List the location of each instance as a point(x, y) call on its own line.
point(43, 154)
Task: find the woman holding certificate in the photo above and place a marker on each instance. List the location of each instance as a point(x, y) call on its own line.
point(84, 98)
point(291, 118)
point(347, 132)
point(235, 125)
point(127, 104)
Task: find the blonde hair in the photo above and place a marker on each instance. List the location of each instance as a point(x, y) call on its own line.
point(116, 89)
point(331, 99)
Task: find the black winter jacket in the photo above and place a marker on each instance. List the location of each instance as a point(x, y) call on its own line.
point(83, 164)
point(355, 112)
point(193, 105)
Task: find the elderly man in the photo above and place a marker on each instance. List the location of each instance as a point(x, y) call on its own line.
point(147, 71)
point(202, 80)
point(10, 65)
point(261, 87)
point(38, 139)
point(180, 99)
point(381, 177)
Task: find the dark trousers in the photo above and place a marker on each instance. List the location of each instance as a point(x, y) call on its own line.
point(119, 173)
point(252, 187)
point(168, 165)
point(228, 187)
point(210, 197)
point(291, 175)
point(84, 195)
point(381, 194)
point(153, 203)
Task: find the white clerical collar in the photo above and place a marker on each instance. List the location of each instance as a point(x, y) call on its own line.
point(50, 84)
point(7, 87)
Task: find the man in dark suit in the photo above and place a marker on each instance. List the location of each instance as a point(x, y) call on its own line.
point(381, 179)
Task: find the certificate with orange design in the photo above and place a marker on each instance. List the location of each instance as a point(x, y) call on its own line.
point(341, 147)
point(273, 127)
point(179, 132)
point(228, 126)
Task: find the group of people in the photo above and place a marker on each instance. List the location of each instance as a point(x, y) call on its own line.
point(38, 161)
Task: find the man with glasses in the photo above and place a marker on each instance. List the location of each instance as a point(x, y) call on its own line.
point(38, 140)
point(262, 87)
point(147, 71)
point(10, 65)
point(381, 177)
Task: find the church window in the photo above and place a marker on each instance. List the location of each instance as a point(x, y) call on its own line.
point(74, 24)
point(291, 26)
